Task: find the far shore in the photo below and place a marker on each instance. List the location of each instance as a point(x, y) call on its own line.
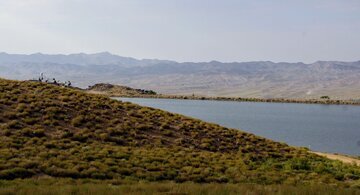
point(239, 99)
point(128, 92)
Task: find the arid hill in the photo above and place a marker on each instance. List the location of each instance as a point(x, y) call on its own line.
point(53, 131)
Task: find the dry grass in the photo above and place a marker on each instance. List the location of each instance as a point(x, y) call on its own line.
point(47, 130)
point(60, 187)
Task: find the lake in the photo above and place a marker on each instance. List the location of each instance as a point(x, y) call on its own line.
point(325, 128)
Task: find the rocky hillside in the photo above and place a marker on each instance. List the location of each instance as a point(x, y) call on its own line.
point(53, 131)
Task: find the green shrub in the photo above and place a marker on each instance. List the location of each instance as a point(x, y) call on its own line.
point(78, 121)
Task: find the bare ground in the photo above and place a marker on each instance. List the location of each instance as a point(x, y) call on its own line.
point(342, 158)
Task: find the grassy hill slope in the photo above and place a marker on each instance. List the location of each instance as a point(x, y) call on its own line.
point(51, 131)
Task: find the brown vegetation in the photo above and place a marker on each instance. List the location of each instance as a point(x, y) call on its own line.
point(47, 186)
point(47, 130)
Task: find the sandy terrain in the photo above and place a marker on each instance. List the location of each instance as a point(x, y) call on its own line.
point(343, 158)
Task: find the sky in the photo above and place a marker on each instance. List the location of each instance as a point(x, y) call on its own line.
point(185, 30)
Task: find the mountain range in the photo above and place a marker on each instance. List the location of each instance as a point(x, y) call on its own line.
point(261, 79)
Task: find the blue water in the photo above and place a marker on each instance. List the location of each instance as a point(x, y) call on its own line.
point(325, 128)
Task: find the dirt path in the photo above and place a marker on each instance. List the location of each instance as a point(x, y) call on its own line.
point(345, 159)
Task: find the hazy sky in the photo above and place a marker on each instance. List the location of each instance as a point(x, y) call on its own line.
point(185, 30)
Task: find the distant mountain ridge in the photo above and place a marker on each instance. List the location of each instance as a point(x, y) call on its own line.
point(262, 79)
point(103, 58)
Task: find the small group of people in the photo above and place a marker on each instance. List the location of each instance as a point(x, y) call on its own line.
point(54, 81)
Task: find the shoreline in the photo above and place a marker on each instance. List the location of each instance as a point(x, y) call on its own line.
point(127, 92)
point(239, 99)
point(333, 156)
point(341, 157)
